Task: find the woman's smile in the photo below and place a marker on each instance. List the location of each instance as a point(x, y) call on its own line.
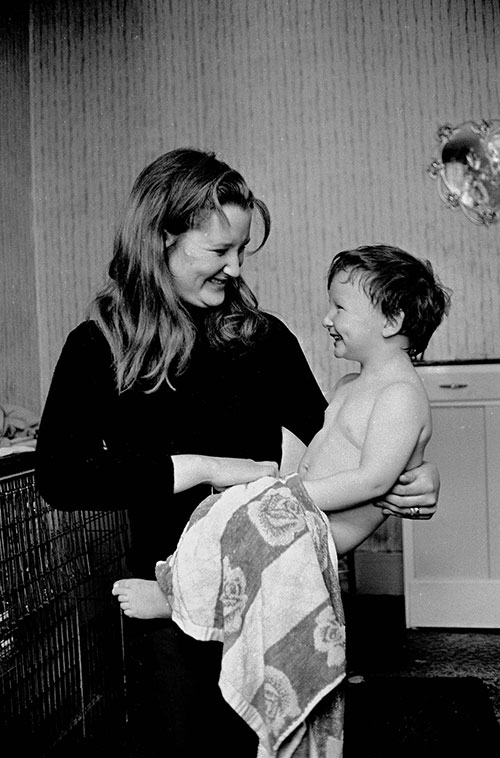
point(218, 281)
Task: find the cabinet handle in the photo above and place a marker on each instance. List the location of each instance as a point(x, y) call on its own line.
point(453, 386)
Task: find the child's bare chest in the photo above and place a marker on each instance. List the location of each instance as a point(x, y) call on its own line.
point(350, 415)
point(337, 446)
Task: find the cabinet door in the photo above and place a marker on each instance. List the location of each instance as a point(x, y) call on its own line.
point(452, 562)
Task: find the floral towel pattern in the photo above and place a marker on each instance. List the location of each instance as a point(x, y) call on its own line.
point(256, 569)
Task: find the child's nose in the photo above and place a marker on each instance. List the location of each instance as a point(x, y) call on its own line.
point(327, 322)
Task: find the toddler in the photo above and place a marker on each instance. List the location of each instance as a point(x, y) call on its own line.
point(385, 304)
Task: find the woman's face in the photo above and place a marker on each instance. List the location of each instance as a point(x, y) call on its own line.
point(203, 260)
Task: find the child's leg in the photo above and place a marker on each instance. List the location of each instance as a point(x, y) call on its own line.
point(141, 599)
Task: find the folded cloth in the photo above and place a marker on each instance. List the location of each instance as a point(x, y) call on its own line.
point(256, 568)
point(17, 424)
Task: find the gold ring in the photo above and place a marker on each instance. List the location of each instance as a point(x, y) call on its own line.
point(415, 511)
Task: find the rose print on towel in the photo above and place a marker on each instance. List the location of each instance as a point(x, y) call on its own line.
point(317, 527)
point(329, 637)
point(234, 597)
point(277, 515)
point(280, 698)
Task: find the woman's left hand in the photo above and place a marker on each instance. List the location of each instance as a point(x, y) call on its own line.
point(415, 494)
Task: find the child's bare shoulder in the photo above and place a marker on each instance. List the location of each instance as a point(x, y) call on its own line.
point(342, 389)
point(404, 391)
point(344, 381)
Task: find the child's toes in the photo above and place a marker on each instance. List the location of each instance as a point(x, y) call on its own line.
point(120, 585)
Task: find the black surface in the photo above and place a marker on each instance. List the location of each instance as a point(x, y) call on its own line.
point(419, 716)
point(16, 463)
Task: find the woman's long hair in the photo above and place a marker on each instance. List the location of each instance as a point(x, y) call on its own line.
point(150, 332)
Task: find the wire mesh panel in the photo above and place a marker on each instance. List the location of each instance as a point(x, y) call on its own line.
point(61, 651)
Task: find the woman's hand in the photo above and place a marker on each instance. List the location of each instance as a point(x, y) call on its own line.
point(228, 471)
point(415, 494)
point(191, 470)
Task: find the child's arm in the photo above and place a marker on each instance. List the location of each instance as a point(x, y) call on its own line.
point(395, 427)
point(352, 527)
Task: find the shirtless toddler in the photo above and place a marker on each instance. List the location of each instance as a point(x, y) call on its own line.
point(384, 307)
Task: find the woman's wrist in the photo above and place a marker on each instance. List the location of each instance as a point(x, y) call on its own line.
point(191, 470)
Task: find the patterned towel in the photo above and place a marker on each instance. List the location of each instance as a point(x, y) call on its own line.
point(256, 569)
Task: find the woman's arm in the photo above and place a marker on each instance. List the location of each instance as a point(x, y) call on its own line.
point(77, 463)
point(299, 402)
point(191, 470)
point(97, 450)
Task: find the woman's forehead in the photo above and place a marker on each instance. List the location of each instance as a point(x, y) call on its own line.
point(223, 227)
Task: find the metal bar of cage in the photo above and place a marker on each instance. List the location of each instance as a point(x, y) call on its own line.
point(61, 638)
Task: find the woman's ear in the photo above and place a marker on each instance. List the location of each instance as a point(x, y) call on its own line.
point(393, 324)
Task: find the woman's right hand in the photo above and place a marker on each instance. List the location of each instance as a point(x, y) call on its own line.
point(191, 470)
point(228, 471)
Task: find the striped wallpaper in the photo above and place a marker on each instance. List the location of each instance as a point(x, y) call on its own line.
point(328, 107)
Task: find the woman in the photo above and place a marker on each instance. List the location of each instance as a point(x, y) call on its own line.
point(175, 384)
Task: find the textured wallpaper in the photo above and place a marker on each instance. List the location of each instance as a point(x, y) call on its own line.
point(328, 107)
point(19, 363)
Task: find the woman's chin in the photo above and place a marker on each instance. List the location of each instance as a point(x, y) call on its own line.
point(208, 297)
point(212, 300)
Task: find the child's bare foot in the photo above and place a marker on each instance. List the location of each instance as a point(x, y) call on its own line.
point(141, 599)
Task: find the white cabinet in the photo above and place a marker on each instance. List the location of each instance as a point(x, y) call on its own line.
point(452, 562)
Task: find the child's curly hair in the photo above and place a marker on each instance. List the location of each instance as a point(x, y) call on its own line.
point(397, 282)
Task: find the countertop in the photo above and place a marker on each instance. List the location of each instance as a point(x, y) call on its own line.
point(474, 362)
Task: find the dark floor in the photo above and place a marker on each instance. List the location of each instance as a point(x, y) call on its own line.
point(379, 644)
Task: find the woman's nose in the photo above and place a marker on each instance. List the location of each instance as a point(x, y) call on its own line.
point(233, 263)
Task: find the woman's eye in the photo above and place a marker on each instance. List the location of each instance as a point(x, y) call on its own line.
point(219, 251)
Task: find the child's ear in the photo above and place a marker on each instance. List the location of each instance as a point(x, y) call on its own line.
point(169, 239)
point(393, 324)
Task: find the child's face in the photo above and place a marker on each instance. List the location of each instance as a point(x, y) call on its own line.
point(353, 322)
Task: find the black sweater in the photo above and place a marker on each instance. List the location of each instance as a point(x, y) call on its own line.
point(98, 449)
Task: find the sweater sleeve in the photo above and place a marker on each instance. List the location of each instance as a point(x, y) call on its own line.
point(302, 403)
point(75, 467)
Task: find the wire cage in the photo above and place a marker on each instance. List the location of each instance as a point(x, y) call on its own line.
point(62, 675)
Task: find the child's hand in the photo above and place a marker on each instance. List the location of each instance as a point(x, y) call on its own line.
point(415, 494)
